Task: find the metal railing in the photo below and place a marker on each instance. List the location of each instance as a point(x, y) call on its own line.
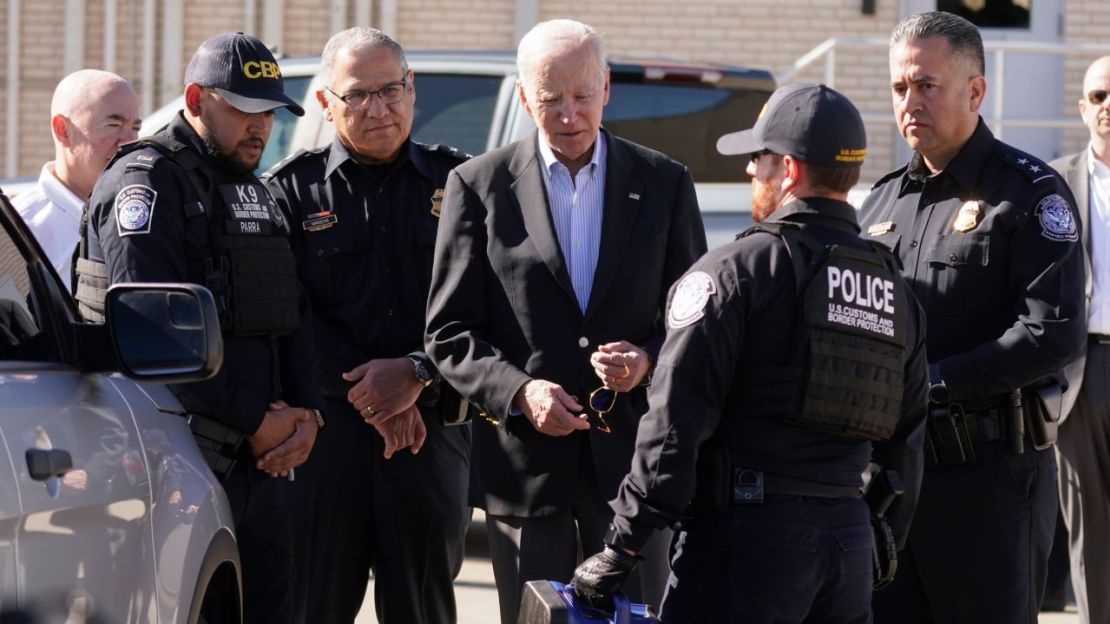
point(826, 52)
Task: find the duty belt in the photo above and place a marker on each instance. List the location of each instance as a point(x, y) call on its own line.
point(1101, 339)
point(986, 425)
point(219, 444)
point(749, 486)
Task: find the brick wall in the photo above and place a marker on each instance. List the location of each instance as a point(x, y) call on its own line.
point(769, 34)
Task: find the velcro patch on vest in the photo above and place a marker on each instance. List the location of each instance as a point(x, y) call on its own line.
point(856, 296)
point(250, 208)
point(690, 298)
point(135, 209)
point(1057, 220)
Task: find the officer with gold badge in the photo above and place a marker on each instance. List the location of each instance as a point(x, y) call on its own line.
point(363, 213)
point(794, 359)
point(185, 206)
point(989, 242)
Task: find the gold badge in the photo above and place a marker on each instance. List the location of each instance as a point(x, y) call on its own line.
point(967, 218)
point(878, 229)
point(437, 202)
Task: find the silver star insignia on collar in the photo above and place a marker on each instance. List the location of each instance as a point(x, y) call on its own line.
point(1022, 161)
point(1035, 168)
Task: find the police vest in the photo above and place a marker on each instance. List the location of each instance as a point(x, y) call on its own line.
point(845, 376)
point(234, 246)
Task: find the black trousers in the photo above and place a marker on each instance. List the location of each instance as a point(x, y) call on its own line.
point(403, 518)
point(791, 559)
point(979, 543)
point(260, 507)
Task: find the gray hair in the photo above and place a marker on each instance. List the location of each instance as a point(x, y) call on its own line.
point(547, 36)
point(962, 36)
point(355, 39)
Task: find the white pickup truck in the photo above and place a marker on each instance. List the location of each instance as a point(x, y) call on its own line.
point(468, 100)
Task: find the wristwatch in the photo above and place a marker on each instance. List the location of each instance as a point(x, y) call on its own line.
point(319, 419)
point(423, 375)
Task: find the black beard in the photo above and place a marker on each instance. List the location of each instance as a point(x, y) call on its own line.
point(224, 163)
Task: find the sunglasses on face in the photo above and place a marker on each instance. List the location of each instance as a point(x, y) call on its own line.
point(1097, 97)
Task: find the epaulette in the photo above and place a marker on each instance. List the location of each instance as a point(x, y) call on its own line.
point(285, 162)
point(448, 150)
point(1034, 168)
point(897, 173)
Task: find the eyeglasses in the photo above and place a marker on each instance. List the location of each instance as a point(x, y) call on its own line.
point(356, 101)
point(1096, 97)
point(601, 402)
point(760, 154)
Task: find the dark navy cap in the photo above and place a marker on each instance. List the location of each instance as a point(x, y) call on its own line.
point(812, 123)
point(243, 71)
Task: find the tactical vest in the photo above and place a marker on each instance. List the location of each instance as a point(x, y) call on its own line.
point(845, 376)
point(234, 246)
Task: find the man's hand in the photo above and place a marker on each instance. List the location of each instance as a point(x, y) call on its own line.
point(295, 449)
point(601, 576)
point(383, 388)
point(407, 430)
point(621, 366)
point(277, 426)
point(549, 408)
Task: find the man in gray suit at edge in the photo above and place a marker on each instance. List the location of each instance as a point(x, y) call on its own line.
point(552, 265)
point(1083, 446)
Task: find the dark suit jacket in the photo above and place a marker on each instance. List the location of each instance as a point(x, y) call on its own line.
point(1073, 169)
point(502, 310)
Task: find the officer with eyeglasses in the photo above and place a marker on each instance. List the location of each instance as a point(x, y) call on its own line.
point(794, 358)
point(385, 490)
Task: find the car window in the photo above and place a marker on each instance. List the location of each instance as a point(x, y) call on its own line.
point(683, 122)
point(455, 109)
point(277, 147)
point(20, 337)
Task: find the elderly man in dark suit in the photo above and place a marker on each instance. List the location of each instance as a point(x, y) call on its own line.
point(1083, 447)
point(552, 265)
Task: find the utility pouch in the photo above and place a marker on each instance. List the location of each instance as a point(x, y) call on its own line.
point(1042, 415)
point(747, 487)
point(948, 443)
point(713, 482)
point(218, 443)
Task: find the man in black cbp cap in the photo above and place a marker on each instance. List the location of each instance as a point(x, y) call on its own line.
point(184, 206)
point(794, 358)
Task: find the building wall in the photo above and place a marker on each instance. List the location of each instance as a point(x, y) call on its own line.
point(770, 34)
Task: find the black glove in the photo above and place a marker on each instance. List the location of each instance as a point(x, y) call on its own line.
point(885, 554)
point(601, 576)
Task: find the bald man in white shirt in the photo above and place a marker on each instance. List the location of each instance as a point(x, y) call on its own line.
point(92, 113)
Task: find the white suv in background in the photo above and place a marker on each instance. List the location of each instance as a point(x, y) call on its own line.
point(468, 100)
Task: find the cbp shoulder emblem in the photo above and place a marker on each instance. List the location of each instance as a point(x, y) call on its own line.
point(1057, 221)
point(135, 209)
point(690, 297)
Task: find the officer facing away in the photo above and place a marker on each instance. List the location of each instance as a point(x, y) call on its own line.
point(794, 357)
point(184, 206)
point(990, 244)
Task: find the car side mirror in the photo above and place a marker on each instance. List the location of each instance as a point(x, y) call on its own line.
point(164, 332)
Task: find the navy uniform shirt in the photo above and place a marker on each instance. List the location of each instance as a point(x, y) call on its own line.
point(149, 245)
point(364, 238)
point(991, 247)
point(745, 318)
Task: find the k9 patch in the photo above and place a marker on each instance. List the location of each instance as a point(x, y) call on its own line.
point(1057, 220)
point(135, 209)
point(690, 298)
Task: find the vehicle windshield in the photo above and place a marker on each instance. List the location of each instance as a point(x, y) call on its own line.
point(684, 122)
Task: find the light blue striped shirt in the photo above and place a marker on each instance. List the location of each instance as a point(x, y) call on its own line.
point(576, 208)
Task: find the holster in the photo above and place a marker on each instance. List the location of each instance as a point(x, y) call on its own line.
point(948, 443)
point(880, 492)
point(1043, 409)
point(219, 444)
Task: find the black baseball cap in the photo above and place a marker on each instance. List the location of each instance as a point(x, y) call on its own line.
point(243, 71)
point(812, 123)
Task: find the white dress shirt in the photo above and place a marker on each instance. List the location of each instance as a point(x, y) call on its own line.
point(1098, 176)
point(576, 208)
point(53, 213)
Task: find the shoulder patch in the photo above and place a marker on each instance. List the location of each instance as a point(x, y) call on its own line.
point(1057, 220)
point(1033, 168)
point(134, 208)
point(690, 298)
